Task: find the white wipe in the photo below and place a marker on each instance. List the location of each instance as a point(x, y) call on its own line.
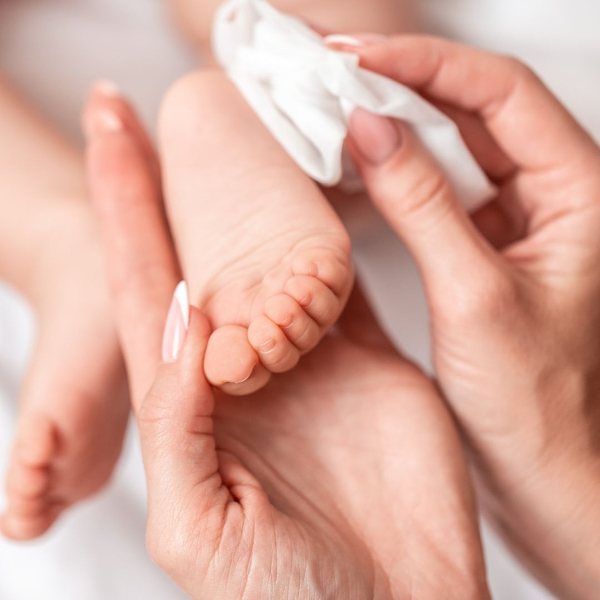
point(303, 91)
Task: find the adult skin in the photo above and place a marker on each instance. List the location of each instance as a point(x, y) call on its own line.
point(342, 479)
point(513, 294)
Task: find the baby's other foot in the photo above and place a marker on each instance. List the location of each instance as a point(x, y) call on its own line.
point(74, 405)
point(264, 254)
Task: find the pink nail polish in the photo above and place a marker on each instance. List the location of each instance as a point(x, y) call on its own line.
point(109, 121)
point(177, 324)
point(346, 43)
point(376, 138)
point(338, 40)
point(100, 123)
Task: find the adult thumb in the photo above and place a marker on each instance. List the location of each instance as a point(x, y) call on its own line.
point(176, 429)
point(410, 190)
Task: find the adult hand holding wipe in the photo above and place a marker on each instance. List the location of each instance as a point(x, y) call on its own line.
point(304, 92)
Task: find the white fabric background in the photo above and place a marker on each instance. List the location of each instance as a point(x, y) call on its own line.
point(54, 49)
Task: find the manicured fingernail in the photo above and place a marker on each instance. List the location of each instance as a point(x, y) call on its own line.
point(107, 120)
point(101, 122)
point(337, 40)
point(107, 88)
point(347, 42)
point(375, 137)
point(177, 324)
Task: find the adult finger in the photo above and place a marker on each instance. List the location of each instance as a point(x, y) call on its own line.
point(141, 262)
point(176, 432)
point(410, 190)
point(105, 94)
point(528, 122)
point(502, 221)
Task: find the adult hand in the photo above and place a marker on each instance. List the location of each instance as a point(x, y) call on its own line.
point(514, 294)
point(343, 479)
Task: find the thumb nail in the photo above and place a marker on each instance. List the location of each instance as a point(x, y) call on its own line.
point(376, 138)
point(177, 324)
point(100, 123)
point(348, 43)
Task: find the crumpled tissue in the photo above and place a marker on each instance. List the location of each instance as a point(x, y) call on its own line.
point(304, 92)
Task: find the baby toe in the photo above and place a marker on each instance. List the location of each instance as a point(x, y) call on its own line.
point(22, 528)
point(316, 299)
point(273, 348)
point(37, 442)
point(334, 269)
point(25, 481)
point(296, 325)
point(231, 363)
point(23, 507)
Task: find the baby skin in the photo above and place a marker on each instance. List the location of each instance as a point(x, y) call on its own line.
point(272, 269)
point(74, 405)
point(271, 266)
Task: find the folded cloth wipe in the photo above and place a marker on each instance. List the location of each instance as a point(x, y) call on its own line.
point(304, 92)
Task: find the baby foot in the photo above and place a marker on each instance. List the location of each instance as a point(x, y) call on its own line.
point(263, 252)
point(74, 405)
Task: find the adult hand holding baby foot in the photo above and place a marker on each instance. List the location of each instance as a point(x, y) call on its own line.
point(515, 330)
point(342, 479)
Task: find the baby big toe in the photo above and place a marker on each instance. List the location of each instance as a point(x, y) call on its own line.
point(273, 348)
point(232, 364)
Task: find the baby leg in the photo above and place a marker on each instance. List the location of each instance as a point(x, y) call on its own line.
point(74, 404)
point(339, 16)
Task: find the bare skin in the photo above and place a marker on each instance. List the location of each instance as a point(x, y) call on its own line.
point(264, 254)
point(74, 404)
point(513, 296)
point(64, 451)
point(272, 270)
point(342, 479)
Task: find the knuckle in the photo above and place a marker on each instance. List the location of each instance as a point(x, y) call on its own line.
point(156, 410)
point(428, 193)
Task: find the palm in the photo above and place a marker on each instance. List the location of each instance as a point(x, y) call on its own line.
point(364, 477)
point(343, 479)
